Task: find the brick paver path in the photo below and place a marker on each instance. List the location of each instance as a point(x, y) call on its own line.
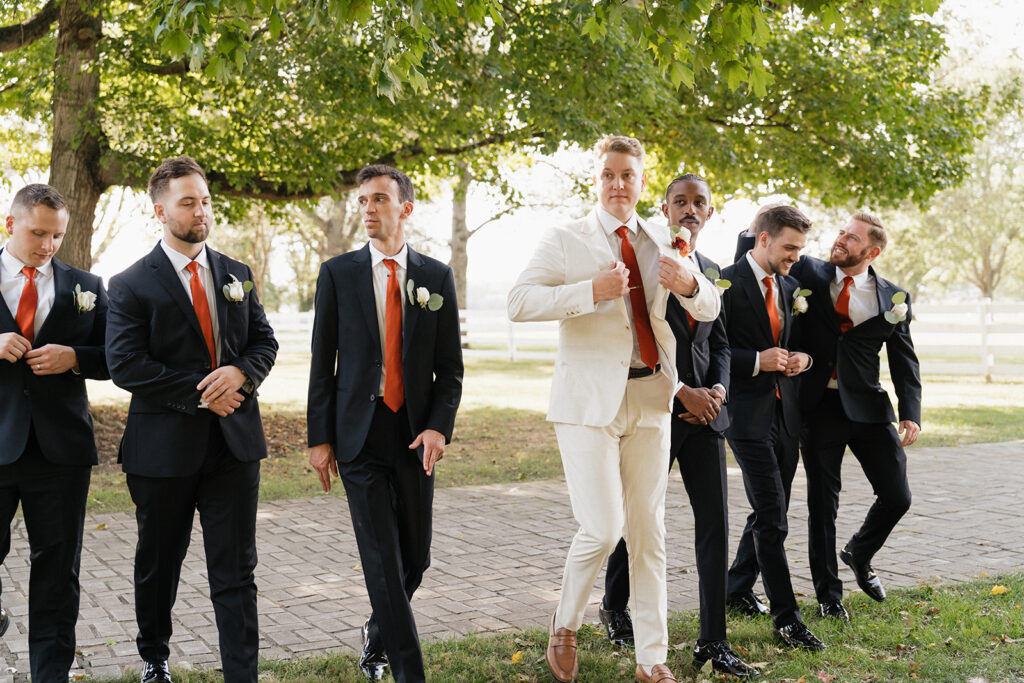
point(497, 558)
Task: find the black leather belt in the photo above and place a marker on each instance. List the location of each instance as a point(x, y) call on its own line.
point(637, 373)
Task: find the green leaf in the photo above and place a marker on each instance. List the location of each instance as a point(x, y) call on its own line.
point(712, 274)
point(435, 301)
point(681, 74)
point(247, 286)
point(276, 24)
point(227, 291)
point(734, 74)
point(723, 283)
point(760, 79)
point(410, 289)
point(891, 317)
point(804, 292)
point(175, 42)
point(899, 297)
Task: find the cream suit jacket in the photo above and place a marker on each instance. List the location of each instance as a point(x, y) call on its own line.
point(595, 341)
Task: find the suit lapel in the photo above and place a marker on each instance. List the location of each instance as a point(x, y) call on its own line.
point(163, 273)
point(786, 291)
point(883, 292)
point(825, 298)
point(414, 271)
point(757, 300)
point(63, 301)
point(7, 322)
point(218, 269)
point(363, 278)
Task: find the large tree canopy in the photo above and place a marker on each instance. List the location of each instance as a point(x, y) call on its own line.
point(280, 100)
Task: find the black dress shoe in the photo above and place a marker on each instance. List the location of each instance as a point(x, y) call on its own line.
point(619, 624)
point(833, 609)
point(156, 672)
point(747, 605)
point(373, 661)
point(866, 577)
point(5, 621)
point(723, 659)
point(798, 635)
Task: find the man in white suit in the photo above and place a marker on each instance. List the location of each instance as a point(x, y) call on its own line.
point(607, 279)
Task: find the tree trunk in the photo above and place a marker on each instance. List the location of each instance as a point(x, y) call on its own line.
point(75, 152)
point(460, 234)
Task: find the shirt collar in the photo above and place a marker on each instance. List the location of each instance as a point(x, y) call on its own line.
point(859, 281)
point(610, 223)
point(402, 257)
point(759, 272)
point(179, 261)
point(12, 266)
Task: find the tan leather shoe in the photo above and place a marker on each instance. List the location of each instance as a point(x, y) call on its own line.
point(659, 674)
point(561, 654)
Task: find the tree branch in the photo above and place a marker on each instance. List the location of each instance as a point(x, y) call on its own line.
point(19, 35)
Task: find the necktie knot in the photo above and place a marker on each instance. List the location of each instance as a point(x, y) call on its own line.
point(768, 281)
point(847, 281)
point(621, 232)
point(391, 264)
point(193, 268)
point(29, 272)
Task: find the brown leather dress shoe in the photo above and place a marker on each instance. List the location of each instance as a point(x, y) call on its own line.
point(561, 654)
point(659, 674)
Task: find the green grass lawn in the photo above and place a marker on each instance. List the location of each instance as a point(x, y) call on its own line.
point(929, 633)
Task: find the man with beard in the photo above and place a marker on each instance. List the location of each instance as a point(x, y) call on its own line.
point(698, 445)
point(188, 338)
point(852, 312)
point(761, 310)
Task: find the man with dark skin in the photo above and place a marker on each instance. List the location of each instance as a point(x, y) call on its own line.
point(698, 445)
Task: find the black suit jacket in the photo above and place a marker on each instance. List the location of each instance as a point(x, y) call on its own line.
point(856, 352)
point(155, 350)
point(345, 370)
point(701, 360)
point(752, 399)
point(56, 405)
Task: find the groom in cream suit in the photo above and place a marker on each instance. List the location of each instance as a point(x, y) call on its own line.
point(607, 279)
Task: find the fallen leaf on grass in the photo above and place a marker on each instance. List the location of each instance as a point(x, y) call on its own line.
point(517, 657)
point(822, 676)
point(100, 526)
point(742, 650)
point(997, 590)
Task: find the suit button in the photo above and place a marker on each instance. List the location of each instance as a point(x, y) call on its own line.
point(26, 392)
point(372, 398)
point(377, 363)
point(625, 363)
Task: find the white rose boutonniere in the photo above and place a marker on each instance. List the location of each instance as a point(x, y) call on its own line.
point(800, 301)
point(716, 277)
point(422, 296)
point(899, 310)
point(235, 290)
point(84, 301)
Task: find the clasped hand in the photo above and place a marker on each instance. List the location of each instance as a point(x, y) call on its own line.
point(780, 360)
point(51, 359)
point(702, 404)
point(221, 390)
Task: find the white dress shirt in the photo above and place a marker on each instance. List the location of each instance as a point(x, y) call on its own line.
point(180, 264)
point(647, 254)
point(863, 301)
point(760, 274)
point(12, 282)
point(381, 273)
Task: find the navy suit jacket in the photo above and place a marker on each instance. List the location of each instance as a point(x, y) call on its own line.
point(702, 359)
point(344, 375)
point(56, 405)
point(156, 350)
point(752, 400)
point(856, 352)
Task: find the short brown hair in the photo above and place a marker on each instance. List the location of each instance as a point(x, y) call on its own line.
point(618, 143)
point(876, 231)
point(37, 194)
point(406, 192)
point(773, 219)
point(168, 170)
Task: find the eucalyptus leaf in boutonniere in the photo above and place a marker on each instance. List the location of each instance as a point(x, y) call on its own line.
point(422, 296)
point(898, 312)
point(800, 301)
point(84, 301)
point(716, 277)
point(235, 290)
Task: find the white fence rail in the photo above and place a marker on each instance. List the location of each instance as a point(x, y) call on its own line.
point(982, 338)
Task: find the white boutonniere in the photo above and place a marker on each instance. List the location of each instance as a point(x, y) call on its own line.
point(800, 301)
point(84, 301)
point(236, 289)
point(681, 240)
point(423, 297)
point(898, 312)
point(716, 277)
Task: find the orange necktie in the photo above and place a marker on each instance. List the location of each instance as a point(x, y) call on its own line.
point(843, 314)
point(202, 307)
point(638, 302)
point(693, 323)
point(394, 386)
point(26, 314)
point(773, 313)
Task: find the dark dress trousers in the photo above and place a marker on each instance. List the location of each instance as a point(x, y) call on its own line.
point(47, 453)
point(858, 414)
point(389, 495)
point(764, 426)
point(179, 457)
point(702, 360)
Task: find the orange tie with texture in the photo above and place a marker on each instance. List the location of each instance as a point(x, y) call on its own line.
point(773, 316)
point(638, 302)
point(202, 308)
point(26, 313)
point(843, 314)
point(394, 386)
